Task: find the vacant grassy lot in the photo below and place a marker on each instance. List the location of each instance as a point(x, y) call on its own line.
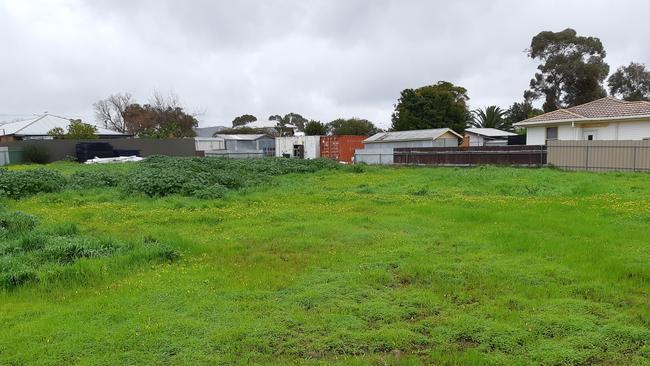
point(401, 266)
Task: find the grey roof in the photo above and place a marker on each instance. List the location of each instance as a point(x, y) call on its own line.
point(41, 125)
point(489, 132)
point(413, 135)
point(208, 131)
point(241, 137)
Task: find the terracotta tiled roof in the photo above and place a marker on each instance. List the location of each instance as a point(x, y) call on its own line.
point(607, 107)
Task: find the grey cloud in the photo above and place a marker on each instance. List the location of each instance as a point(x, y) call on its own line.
point(323, 59)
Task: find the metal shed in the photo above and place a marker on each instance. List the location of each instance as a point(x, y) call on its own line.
point(245, 146)
point(378, 149)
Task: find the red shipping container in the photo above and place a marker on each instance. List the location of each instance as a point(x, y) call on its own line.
point(340, 148)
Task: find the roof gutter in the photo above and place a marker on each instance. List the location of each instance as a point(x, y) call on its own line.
point(579, 120)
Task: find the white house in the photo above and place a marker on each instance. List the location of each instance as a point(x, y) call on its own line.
point(487, 136)
point(603, 119)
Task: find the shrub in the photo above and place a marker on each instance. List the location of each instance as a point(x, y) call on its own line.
point(95, 179)
point(17, 222)
point(214, 191)
point(36, 154)
point(18, 184)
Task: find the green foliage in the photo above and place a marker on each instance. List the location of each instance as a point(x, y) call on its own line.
point(78, 130)
point(36, 154)
point(352, 126)
point(243, 120)
point(490, 117)
point(57, 133)
point(46, 256)
point(159, 121)
point(316, 128)
point(16, 222)
point(631, 83)
point(434, 106)
point(521, 111)
point(95, 179)
point(209, 177)
point(571, 71)
point(23, 183)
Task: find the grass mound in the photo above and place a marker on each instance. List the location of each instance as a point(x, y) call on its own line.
point(28, 254)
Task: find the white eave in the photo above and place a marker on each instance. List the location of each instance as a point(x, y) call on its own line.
point(581, 120)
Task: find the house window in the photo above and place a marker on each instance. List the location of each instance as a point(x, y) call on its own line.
point(590, 137)
point(551, 133)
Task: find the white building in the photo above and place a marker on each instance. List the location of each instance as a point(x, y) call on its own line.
point(487, 136)
point(304, 147)
point(603, 119)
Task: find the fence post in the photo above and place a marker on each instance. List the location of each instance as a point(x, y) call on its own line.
point(587, 158)
point(634, 161)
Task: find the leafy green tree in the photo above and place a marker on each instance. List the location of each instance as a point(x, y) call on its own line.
point(78, 130)
point(435, 106)
point(243, 120)
point(315, 128)
point(57, 132)
point(520, 111)
point(352, 126)
point(156, 121)
point(630, 82)
point(571, 71)
point(490, 117)
point(290, 119)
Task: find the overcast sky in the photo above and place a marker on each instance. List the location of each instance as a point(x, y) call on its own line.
point(323, 58)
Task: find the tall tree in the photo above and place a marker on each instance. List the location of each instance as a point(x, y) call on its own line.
point(162, 117)
point(435, 106)
point(571, 71)
point(630, 82)
point(110, 111)
point(490, 117)
point(315, 128)
point(520, 111)
point(290, 119)
point(243, 120)
point(352, 126)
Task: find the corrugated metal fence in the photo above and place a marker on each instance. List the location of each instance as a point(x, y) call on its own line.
point(526, 155)
point(600, 155)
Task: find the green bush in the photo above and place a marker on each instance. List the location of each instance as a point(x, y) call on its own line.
point(23, 183)
point(210, 178)
point(17, 222)
point(36, 154)
point(29, 254)
point(95, 179)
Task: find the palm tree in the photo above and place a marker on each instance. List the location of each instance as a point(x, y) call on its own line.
point(490, 117)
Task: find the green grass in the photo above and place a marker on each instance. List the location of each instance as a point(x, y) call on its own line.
point(403, 266)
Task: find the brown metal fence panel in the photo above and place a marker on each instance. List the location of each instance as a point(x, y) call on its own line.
point(485, 155)
point(600, 155)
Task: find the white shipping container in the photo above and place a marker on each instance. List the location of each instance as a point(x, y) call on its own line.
point(289, 145)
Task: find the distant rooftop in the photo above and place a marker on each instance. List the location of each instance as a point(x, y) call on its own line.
point(42, 124)
point(413, 135)
point(489, 132)
point(604, 108)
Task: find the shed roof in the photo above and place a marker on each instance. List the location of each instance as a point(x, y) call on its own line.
point(265, 124)
point(601, 109)
point(241, 137)
point(413, 135)
point(489, 132)
point(41, 125)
